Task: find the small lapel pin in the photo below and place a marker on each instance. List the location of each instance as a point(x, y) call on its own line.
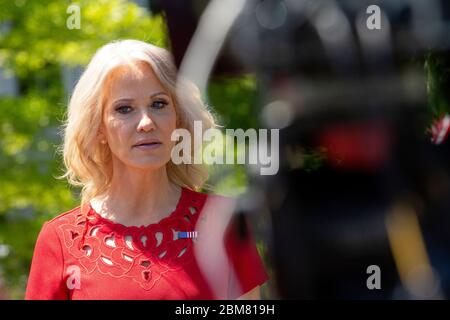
point(187, 235)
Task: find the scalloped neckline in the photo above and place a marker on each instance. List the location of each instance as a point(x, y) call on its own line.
point(117, 225)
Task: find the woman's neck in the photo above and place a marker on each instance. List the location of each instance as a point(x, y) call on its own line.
point(138, 197)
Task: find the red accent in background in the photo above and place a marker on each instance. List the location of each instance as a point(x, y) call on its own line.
point(355, 146)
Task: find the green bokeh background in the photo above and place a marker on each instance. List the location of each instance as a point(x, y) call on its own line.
point(35, 45)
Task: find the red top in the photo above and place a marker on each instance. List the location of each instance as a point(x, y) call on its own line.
point(95, 258)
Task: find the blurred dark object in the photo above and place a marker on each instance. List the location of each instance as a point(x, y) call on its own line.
point(360, 181)
point(378, 193)
point(182, 17)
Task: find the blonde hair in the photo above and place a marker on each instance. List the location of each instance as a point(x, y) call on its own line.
point(88, 163)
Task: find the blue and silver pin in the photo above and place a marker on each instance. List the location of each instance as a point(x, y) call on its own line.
point(187, 234)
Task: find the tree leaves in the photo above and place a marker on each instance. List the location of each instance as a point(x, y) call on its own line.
point(35, 44)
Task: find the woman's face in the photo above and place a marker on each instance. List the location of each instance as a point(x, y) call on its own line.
point(139, 118)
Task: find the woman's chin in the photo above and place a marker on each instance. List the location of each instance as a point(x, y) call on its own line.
point(149, 164)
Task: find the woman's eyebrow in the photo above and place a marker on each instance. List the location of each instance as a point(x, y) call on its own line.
point(131, 99)
point(123, 100)
point(158, 93)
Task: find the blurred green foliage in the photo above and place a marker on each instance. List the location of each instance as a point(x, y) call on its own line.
point(234, 100)
point(35, 44)
point(39, 36)
point(437, 66)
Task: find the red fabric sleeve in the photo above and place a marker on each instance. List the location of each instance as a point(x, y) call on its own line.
point(245, 260)
point(45, 281)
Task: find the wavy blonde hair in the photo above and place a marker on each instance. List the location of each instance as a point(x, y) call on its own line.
point(88, 163)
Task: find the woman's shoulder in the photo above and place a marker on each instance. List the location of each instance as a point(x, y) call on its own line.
point(70, 216)
point(206, 197)
point(217, 207)
point(54, 229)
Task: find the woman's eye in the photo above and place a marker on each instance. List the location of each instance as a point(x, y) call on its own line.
point(159, 104)
point(123, 109)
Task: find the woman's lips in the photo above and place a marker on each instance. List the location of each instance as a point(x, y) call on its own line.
point(148, 146)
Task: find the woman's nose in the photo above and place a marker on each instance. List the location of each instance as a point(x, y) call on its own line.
point(145, 123)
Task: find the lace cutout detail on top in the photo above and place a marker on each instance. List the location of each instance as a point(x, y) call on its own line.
point(142, 253)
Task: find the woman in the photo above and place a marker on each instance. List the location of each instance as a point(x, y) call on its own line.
point(134, 236)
